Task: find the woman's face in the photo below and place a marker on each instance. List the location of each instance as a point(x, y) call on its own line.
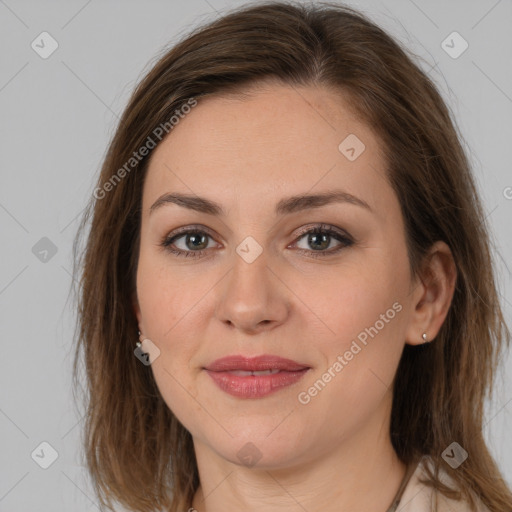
point(252, 280)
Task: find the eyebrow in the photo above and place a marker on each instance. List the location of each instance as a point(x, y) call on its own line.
point(284, 206)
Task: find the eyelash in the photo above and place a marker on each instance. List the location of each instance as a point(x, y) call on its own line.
point(167, 241)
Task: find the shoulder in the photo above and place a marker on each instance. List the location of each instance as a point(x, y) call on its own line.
point(418, 497)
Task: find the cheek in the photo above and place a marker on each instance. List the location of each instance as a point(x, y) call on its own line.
point(168, 298)
point(167, 307)
point(357, 299)
point(361, 360)
point(366, 316)
point(172, 303)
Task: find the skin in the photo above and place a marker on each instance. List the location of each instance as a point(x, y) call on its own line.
point(333, 453)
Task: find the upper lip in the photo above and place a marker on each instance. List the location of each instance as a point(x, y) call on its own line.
point(263, 362)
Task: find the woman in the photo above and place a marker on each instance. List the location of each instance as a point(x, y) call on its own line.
point(329, 338)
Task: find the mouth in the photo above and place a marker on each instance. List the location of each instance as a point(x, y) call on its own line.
point(263, 363)
point(255, 377)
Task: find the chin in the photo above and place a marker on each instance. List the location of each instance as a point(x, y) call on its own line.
point(258, 450)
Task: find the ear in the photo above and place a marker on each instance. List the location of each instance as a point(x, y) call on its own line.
point(432, 295)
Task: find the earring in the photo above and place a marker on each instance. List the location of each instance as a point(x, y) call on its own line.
point(424, 336)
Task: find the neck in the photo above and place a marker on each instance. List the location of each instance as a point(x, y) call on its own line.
point(362, 473)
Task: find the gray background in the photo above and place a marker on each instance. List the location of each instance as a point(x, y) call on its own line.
point(58, 115)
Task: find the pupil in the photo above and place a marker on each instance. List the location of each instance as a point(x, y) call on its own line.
point(201, 239)
point(324, 237)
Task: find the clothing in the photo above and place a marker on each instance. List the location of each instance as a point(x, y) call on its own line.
point(413, 496)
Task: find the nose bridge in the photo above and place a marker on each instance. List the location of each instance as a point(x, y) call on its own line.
point(251, 295)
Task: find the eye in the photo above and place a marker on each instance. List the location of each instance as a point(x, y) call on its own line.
point(194, 238)
point(195, 241)
point(320, 237)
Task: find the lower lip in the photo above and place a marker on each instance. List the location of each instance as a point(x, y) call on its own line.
point(255, 386)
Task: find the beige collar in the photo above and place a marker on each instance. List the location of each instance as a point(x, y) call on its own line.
point(418, 497)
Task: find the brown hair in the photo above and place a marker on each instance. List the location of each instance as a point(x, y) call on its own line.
point(136, 450)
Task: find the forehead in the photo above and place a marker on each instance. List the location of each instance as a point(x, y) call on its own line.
point(273, 139)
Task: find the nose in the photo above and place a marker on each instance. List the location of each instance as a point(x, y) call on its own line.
point(252, 298)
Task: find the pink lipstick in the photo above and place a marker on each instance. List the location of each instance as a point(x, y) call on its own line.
point(255, 377)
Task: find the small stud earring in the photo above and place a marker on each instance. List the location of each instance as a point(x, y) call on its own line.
point(424, 336)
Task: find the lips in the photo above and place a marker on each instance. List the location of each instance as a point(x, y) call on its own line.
point(265, 363)
point(255, 377)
